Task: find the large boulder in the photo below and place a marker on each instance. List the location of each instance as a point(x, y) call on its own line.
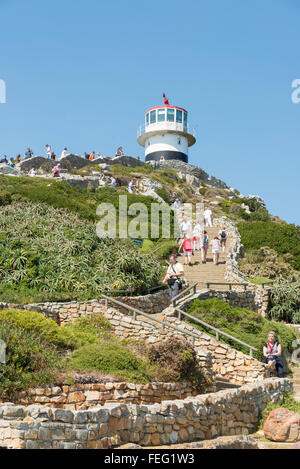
point(8, 171)
point(37, 162)
point(282, 425)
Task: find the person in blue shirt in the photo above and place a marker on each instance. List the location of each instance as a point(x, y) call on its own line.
point(4, 160)
point(28, 154)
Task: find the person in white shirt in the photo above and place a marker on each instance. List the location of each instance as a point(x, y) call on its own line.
point(48, 151)
point(177, 204)
point(207, 217)
point(196, 236)
point(185, 227)
point(64, 153)
point(174, 276)
point(216, 248)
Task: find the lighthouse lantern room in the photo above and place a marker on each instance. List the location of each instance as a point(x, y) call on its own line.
point(166, 133)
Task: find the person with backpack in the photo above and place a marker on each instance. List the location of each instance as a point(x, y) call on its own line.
point(223, 238)
point(174, 276)
point(204, 246)
point(272, 355)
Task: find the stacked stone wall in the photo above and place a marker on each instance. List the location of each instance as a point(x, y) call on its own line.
point(230, 412)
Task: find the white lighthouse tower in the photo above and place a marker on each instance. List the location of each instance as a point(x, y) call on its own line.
point(166, 133)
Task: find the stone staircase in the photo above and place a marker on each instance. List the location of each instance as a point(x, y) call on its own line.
point(203, 273)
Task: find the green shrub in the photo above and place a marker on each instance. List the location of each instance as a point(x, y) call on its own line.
point(59, 256)
point(241, 323)
point(110, 358)
point(30, 361)
point(285, 301)
point(282, 237)
point(164, 195)
point(176, 360)
point(5, 197)
point(86, 330)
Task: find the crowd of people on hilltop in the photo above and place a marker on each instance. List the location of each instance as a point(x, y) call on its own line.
point(49, 154)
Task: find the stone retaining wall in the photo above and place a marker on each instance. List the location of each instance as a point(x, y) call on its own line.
point(233, 272)
point(84, 396)
point(63, 313)
point(230, 412)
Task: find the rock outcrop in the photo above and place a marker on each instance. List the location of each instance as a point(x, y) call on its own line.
point(282, 425)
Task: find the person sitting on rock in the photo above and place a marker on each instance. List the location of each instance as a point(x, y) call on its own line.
point(92, 156)
point(28, 154)
point(11, 163)
point(272, 355)
point(32, 172)
point(56, 171)
point(4, 160)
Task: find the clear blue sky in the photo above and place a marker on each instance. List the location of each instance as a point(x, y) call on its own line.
point(82, 73)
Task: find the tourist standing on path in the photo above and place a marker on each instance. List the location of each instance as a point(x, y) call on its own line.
point(187, 248)
point(174, 276)
point(216, 248)
point(272, 355)
point(223, 238)
point(196, 236)
point(204, 246)
point(185, 227)
point(177, 204)
point(131, 187)
point(207, 217)
point(48, 151)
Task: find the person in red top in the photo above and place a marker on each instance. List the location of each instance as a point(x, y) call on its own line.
point(187, 250)
point(92, 156)
point(166, 101)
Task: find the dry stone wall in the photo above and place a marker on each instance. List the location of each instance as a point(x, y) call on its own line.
point(84, 396)
point(230, 412)
point(233, 273)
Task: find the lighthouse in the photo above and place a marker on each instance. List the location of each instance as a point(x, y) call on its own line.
point(166, 134)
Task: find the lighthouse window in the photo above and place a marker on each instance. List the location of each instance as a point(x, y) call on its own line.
point(178, 116)
point(170, 115)
point(147, 118)
point(161, 115)
point(152, 117)
point(185, 119)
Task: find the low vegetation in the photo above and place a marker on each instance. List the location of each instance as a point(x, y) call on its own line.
point(40, 353)
point(240, 323)
point(48, 253)
point(265, 262)
point(285, 301)
point(281, 237)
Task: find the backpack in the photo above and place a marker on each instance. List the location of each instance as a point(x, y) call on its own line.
point(223, 234)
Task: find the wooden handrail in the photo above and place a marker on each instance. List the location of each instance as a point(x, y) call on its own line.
point(217, 331)
point(137, 312)
point(230, 284)
point(176, 298)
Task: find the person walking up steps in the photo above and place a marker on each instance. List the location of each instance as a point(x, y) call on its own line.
point(207, 217)
point(204, 246)
point(187, 249)
point(196, 236)
point(174, 276)
point(185, 227)
point(223, 238)
point(216, 248)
